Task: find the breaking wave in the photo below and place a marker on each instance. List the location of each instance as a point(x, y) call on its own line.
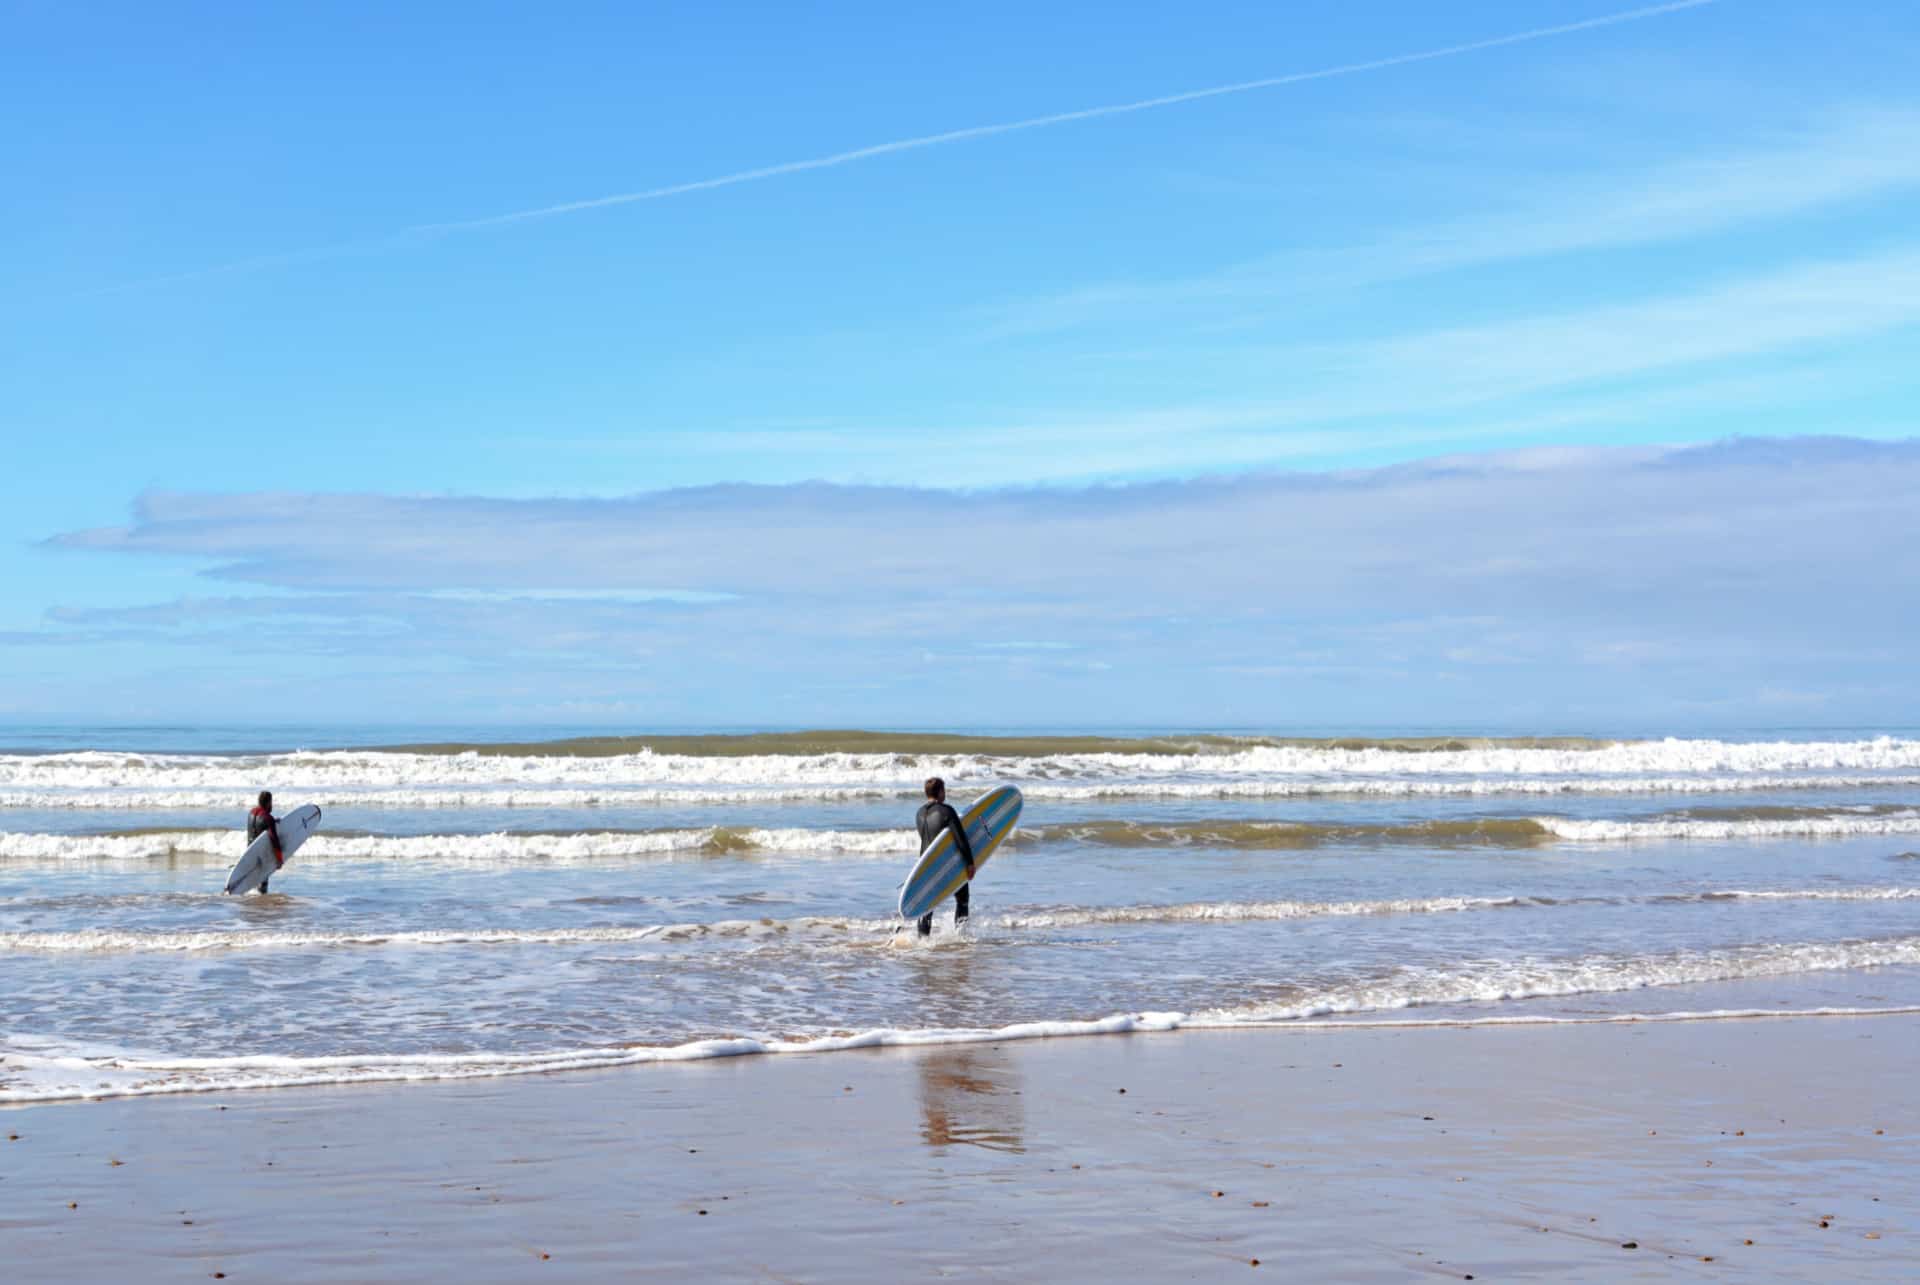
point(515, 847)
point(442, 798)
point(1817, 826)
point(500, 848)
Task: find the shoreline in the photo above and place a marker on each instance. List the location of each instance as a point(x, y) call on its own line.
point(1372, 1153)
point(403, 1070)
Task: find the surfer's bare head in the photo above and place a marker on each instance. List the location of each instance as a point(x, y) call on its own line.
point(266, 798)
point(936, 788)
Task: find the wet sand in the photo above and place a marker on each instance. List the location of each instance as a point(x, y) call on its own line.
point(1618, 1152)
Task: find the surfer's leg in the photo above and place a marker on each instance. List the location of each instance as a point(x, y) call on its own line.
point(960, 903)
point(264, 883)
point(926, 924)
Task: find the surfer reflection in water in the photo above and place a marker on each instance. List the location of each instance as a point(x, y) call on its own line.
point(260, 821)
point(968, 1099)
point(935, 816)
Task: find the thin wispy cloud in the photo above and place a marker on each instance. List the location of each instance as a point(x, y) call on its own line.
point(1419, 376)
point(1792, 334)
point(1750, 317)
point(1842, 158)
point(971, 133)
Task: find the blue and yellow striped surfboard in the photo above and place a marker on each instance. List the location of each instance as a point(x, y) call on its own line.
point(940, 871)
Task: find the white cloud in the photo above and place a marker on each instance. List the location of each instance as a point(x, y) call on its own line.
point(1531, 579)
point(1464, 533)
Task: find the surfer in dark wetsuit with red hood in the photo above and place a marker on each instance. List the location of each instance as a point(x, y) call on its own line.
point(933, 817)
point(260, 821)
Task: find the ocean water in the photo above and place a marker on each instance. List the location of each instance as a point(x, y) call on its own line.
point(489, 909)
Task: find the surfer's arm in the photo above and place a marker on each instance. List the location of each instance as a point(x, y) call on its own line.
point(273, 828)
point(960, 841)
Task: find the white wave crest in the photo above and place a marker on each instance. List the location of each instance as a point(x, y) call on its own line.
point(36, 1077)
point(507, 848)
point(1839, 825)
point(511, 797)
point(1467, 786)
point(495, 848)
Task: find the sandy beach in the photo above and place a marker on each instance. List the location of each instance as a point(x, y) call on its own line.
point(1778, 1148)
point(1077, 643)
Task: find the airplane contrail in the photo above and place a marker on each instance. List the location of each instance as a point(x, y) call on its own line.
point(1058, 118)
point(966, 134)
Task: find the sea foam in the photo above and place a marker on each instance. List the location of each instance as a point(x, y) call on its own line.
point(40, 1075)
point(1039, 919)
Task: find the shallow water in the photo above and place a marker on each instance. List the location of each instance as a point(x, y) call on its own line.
point(485, 913)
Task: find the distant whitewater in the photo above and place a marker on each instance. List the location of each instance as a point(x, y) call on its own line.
point(1211, 769)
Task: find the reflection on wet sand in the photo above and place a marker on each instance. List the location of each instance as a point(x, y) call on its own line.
point(970, 1096)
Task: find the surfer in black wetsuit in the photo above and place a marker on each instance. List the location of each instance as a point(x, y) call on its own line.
point(260, 821)
point(935, 816)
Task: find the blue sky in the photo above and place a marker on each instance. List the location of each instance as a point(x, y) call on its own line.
point(330, 379)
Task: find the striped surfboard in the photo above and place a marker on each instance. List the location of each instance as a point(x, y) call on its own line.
point(940, 871)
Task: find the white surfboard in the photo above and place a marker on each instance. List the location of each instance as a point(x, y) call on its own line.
point(256, 865)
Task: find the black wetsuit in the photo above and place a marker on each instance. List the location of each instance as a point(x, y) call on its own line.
point(259, 822)
point(935, 816)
